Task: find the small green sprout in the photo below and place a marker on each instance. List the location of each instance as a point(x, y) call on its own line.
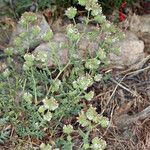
point(83, 82)
point(68, 129)
point(104, 121)
point(55, 85)
point(98, 77)
point(47, 116)
point(91, 114)
point(43, 146)
point(82, 119)
point(92, 64)
point(98, 144)
point(42, 109)
point(89, 95)
point(47, 36)
point(73, 33)
point(50, 104)
point(71, 12)
point(6, 73)
point(27, 97)
point(82, 2)
point(9, 51)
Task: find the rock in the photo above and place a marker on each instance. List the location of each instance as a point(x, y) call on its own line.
point(59, 46)
point(55, 50)
point(131, 51)
point(140, 23)
point(26, 37)
point(86, 47)
point(141, 26)
point(146, 39)
point(60, 37)
point(131, 35)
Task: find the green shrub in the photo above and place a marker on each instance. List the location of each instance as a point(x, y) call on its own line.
point(36, 99)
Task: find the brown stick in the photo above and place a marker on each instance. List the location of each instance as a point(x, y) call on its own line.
point(125, 119)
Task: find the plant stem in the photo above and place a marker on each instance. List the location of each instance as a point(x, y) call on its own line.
point(74, 21)
point(58, 76)
point(34, 86)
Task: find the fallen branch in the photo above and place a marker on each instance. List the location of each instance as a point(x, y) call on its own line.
point(137, 67)
point(125, 120)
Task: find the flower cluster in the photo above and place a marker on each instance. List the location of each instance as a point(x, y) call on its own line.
point(27, 17)
point(106, 34)
point(41, 58)
point(86, 119)
point(101, 54)
point(9, 51)
point(71, 12)
point(6, 73)
point(44, 146)
point(68, 129)
point(89, 96)
point(29, 61)
point(49, 105)
point(27, 97)
point(98, 77)
point(72, 33)
point(55, 85)
point(90, 119)
point(98, 144)
point(83, 82)
point(92, 64)
point(47, 36)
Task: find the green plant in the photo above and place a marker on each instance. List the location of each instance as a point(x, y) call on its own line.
point(36, 96)
point(16, 7)
point(90, 120)
point(4, 135)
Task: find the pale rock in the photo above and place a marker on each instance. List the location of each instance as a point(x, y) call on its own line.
point(141, 26)
point(61, 43)
point(131, 35)
point(55, 50)
point(140, 23)
point(87, 47)
point(131, 51)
